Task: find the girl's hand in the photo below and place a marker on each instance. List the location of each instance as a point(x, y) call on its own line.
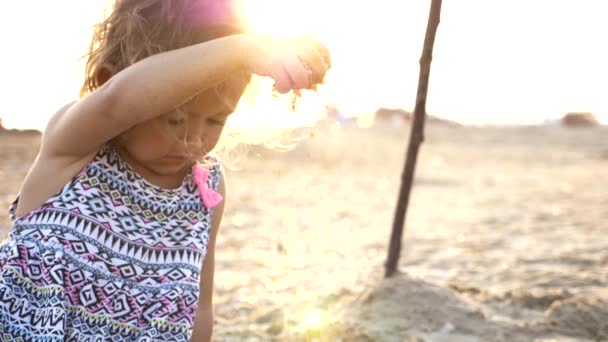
point(294, 63)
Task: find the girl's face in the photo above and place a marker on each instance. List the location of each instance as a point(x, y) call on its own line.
point(168, 145)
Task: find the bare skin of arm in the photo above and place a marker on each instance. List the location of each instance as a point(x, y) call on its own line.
point(157, 84)
point(203, 324)
point(143, 91)
point(149, 88)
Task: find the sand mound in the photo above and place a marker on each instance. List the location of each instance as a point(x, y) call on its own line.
point(583, 316)
point(406, 309)
point(534, 300)
point(579, 120)
point(398, 117)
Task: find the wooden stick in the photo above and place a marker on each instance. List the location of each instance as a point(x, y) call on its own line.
point(416, 139)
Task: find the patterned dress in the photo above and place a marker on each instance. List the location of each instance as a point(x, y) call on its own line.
point(110, 257)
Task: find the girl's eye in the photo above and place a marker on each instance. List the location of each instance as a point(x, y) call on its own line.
point(216, 122)
point(176, 121)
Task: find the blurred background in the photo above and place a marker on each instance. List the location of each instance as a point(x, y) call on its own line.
point(506, 235)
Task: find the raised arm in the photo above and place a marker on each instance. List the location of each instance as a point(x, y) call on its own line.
point(145, 90)
point(157, 84)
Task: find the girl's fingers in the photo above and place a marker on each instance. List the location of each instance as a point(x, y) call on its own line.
point(282, 81)
point(323, 51)
point(315, 56)
point(314, 62)
point(301, 64)
point(319, 48)
point(276, 69)
point(299, 74)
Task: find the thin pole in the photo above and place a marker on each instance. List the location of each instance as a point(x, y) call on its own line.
point(416, 139)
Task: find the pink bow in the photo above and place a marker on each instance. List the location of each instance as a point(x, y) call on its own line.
point(209, 196)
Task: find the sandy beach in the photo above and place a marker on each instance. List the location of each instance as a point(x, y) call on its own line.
point(506, 237)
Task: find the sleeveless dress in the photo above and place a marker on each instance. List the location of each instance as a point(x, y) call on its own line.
point(110, 257)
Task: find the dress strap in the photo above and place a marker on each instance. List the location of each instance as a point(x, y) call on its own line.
point(214, 166)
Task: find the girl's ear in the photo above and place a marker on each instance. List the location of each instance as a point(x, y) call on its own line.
point(103, 74)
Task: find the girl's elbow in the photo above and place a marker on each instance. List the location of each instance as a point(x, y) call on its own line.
point(120, 101)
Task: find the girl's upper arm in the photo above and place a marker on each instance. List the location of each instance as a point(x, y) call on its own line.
point(82, 127)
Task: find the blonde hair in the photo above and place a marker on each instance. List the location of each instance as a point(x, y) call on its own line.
point(136, 29)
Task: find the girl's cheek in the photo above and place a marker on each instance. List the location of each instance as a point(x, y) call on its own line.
point(214, 135)
point(156, 146)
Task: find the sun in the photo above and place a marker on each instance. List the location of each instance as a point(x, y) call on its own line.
point(284, 17)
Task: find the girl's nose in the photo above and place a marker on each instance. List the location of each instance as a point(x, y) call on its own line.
point(194, 138)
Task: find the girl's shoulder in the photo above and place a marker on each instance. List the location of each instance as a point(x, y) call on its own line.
point(47, 178)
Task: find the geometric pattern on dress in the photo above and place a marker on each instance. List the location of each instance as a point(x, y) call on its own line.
point(110, 257)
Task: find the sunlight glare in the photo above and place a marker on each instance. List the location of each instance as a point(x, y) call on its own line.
point(280, 17)
point(312, 320)
point(260, 108)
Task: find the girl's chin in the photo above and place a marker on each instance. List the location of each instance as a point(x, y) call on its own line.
point(172, 166)
point(175, 160)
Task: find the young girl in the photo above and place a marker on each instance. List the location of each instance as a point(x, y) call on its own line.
point(116, 222)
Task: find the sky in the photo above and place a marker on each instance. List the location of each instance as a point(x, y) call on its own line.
point(495, 61)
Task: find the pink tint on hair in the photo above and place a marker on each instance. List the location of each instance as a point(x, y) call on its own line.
point(213, 12)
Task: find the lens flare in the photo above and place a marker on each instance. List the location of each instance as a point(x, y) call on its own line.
point(312, 320)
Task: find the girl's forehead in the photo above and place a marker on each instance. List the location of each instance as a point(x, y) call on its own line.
point(223, 98)
point(211, 102)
